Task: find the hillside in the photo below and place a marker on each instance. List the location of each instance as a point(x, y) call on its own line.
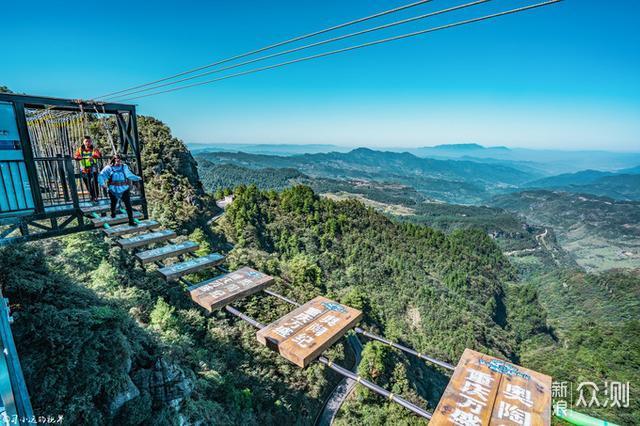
point(599, 232)
point(114, 344)
point(433, 291)
point(625, 187)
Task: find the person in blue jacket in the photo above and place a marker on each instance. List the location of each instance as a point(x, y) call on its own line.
point(115, 177)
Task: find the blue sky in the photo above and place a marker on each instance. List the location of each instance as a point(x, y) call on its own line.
point(562, 77)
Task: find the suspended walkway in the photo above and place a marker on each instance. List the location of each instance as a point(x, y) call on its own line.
point(301, 336)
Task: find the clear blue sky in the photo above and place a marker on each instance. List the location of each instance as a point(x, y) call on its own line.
point(566, 76)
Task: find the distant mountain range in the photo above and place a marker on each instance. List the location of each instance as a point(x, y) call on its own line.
point(544, 162)
point(548, 161)
point(595, 213)
point(463, 179)
point(458, 181)
point(623, 186)
point(267, 149)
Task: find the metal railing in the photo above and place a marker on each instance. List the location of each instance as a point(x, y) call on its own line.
point(15, 191)
point(62, 182)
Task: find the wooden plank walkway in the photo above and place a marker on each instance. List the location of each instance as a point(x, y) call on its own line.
point(143, 225)
point(171, 250)
point(177, 270)
point(120, 218)
point(146, 239)
point(304, 333)
point(220, 291)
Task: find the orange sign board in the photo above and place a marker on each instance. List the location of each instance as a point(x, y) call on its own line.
point(304, 333)
point(220, 291)
point(489, 391)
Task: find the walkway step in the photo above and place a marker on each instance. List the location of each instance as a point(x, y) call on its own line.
point(146, 239)
point(220, 291)
point(103, 206)
point(177, 270)
point(99, 208)
point(171, 250)
point(141, 226)
point(120, 218)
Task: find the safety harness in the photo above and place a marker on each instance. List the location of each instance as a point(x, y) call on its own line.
point(120, 177)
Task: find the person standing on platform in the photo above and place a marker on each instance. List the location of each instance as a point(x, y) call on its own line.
point(115, 177)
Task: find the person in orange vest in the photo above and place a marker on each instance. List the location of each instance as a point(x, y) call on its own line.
point(88, 157)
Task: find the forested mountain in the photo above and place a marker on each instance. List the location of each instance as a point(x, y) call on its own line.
point(366, 260)
point(216, 177)
point(596, 320)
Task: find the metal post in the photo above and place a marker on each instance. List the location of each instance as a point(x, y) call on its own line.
point(137, 148)
point(70, 172)
point(404, 349)
point(19, 395)
point(281, 297)
point(61, 173)
point(27, 152)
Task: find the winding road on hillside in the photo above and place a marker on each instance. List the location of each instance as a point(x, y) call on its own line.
point(342, 391)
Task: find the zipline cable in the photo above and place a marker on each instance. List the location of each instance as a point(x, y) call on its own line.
point(307, 46)
point(273, 46)
point(359, 46)
point(344, 372)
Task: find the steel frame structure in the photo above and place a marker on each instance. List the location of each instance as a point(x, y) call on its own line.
point(44, 221)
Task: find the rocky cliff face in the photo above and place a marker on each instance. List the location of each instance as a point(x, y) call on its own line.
point(174, 191)
point(163, 153)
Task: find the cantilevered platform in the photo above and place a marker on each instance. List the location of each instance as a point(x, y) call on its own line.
point(304, 333)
